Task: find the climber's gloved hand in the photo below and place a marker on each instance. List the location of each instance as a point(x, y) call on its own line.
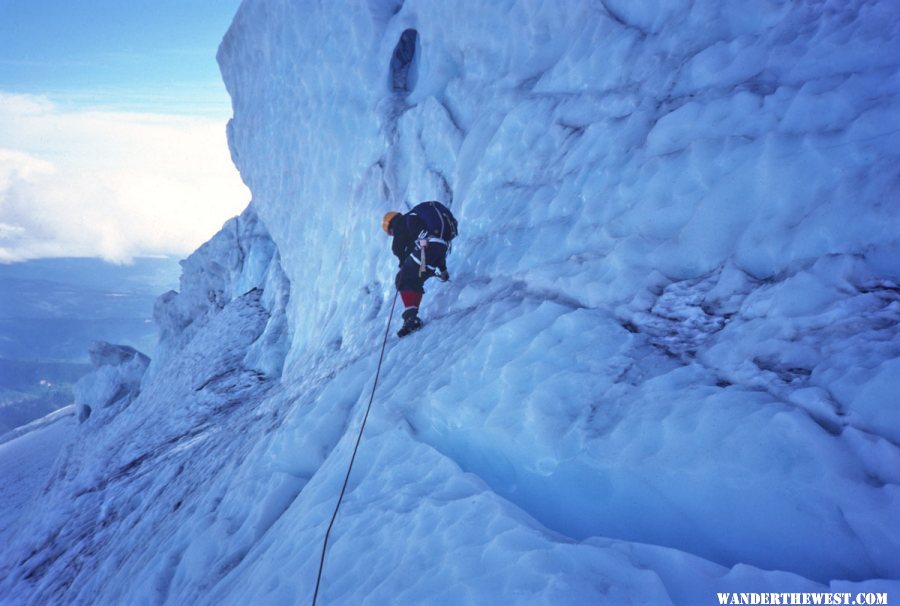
point(444, 276)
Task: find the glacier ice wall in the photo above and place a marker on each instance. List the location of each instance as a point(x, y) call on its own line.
point(667, 363)
point(682, 216)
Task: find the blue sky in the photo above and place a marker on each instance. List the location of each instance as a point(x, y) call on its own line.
point(112, 128)
point(153, 55)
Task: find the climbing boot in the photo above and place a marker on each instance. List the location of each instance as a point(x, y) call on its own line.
point(411, 323)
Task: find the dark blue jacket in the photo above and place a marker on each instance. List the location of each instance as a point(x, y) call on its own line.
point(407, 230)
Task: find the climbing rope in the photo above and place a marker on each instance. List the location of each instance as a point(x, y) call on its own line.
point(355, 448)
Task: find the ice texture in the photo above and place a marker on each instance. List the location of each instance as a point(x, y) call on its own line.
point(115, 382)
point(666, 365)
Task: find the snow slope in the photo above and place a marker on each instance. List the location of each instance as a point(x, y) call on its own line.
point(25, 456)
point(666, 365)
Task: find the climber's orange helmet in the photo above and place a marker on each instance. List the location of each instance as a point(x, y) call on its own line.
point(386, 222)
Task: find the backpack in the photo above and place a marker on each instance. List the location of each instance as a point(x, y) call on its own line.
point(439, 221)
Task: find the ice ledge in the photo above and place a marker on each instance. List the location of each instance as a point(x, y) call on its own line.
point(114, 384)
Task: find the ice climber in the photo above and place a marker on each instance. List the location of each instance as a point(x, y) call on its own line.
point(421, 242)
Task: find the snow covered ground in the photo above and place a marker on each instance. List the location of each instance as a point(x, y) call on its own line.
point(666, 365)
point(26, 456)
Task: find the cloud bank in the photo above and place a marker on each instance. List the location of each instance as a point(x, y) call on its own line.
point(109, 184)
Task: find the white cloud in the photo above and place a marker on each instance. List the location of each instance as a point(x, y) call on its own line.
point(111, 184)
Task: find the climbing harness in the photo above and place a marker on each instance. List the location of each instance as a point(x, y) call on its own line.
point(422, 242)
point(355, 448)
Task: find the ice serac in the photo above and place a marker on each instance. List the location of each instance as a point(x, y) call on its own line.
point(675, 307)
point(115, 381)
point(666, 365)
